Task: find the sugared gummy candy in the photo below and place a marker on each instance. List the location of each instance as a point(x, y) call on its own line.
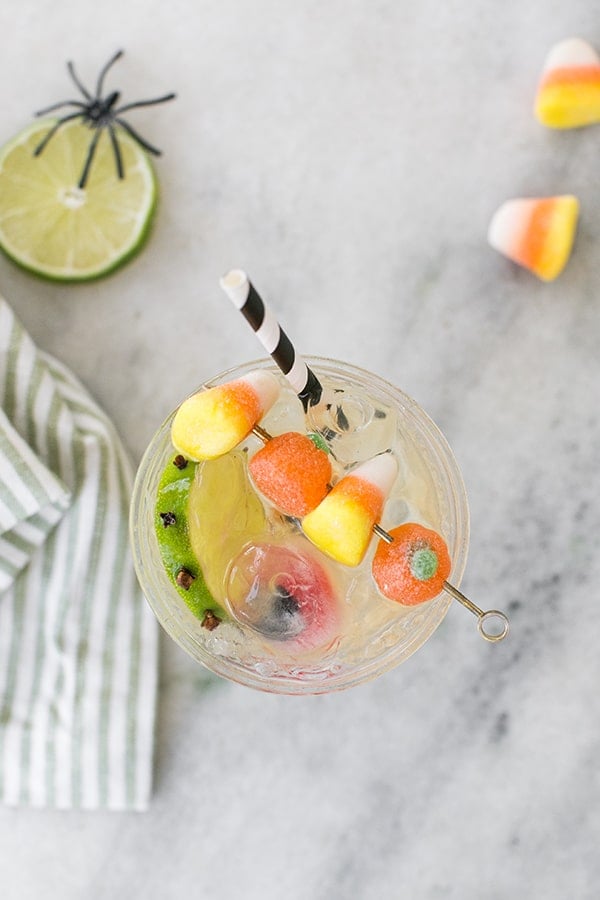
point(414, 567)
point(292, 473)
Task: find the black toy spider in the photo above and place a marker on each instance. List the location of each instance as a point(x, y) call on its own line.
point(99, 112)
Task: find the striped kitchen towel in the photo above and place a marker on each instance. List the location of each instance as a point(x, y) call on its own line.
point(78, 645)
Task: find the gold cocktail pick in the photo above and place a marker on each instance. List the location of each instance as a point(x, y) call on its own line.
point(485, 618)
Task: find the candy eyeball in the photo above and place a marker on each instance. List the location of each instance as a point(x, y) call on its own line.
point(285, 594)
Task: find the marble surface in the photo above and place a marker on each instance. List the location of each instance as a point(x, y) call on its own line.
point(350, 154)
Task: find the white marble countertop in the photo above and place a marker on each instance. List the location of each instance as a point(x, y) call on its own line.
point(350, 154)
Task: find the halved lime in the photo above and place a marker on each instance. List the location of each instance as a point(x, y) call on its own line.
point(52, 227)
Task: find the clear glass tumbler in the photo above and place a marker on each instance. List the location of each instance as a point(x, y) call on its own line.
point(373, 411)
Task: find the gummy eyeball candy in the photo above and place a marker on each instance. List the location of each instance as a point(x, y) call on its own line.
point(342, 524)
point(569, 92)
point(212, 422)
point(537, 233)
point(285, 594)
point(413, 567)
point(292, 472)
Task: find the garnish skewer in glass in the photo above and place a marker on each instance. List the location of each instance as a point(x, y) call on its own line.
point(415, 566)
point(414, 571)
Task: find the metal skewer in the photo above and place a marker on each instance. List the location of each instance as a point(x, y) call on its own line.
point(483, 616)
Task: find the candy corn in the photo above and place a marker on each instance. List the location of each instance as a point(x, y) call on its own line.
point(568, 95)
point(292, 472)
point(413, 567)
point(536, 233)
point(212, 422)
point(341, 525)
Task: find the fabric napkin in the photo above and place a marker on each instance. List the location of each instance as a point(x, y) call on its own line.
point(78, 644)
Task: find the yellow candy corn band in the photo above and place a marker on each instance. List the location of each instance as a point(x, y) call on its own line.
point(569, 98)
point(550, 235)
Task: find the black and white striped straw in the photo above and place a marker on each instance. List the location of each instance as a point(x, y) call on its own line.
point(242, 294)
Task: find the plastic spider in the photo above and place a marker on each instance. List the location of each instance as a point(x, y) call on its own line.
point(99, 113)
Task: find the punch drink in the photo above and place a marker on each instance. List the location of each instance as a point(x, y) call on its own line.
point(246, 587)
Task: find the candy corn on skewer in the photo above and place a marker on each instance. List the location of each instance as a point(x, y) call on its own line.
point(568, 95)
point(537, 233)
point(212, 422)
point(342, 524)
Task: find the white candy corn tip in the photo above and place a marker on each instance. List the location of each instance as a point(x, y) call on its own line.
point(509, 224)
point(236, 285)
point(571, 53)
point(266, 386)
point(381, 471)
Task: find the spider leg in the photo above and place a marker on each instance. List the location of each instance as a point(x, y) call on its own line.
point(50, 134)
point(116, 150)
point(105, 69)
point(89, 158)
point(47, 109)
point(77, 82)
point(145, 103)
point(140, 140)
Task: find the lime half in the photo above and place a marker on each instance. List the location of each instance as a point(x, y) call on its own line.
point(52, 227)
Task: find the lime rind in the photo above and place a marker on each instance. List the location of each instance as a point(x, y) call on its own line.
point(174, 539)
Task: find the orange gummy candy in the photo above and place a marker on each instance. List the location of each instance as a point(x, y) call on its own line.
point(291, 472)
point(414, 567)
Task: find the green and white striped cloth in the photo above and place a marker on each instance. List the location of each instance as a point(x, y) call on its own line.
point(78, 645)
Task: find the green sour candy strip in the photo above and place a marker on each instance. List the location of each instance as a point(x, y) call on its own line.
point(174, 541)
point(424, 564)
point(319, 441)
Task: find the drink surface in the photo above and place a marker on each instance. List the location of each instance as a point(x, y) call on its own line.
point(292, 619)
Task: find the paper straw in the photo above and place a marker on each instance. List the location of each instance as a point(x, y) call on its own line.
point(242, 294)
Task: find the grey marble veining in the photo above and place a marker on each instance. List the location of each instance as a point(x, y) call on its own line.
point(350, 155)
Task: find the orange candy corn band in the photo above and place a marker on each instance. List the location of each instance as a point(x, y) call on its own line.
point(366, 495)
point(586, 76)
